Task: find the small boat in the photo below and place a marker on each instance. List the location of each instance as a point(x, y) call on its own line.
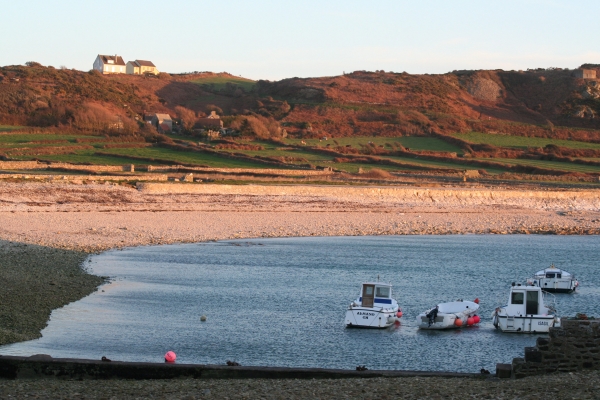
point(525, 312)
point(554, 280)
point(454, 314)
point(374, 308)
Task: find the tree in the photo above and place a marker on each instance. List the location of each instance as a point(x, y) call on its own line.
point(187, 116)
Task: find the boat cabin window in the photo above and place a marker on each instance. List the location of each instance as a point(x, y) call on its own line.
point(559, 275)
point(549, 275)
point(517, 298)
point(368, 290)
point(382, 292)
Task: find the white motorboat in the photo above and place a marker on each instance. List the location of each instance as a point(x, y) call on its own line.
point(454, 314)
point(374, 308)
point(525, 312)
point(554, 280)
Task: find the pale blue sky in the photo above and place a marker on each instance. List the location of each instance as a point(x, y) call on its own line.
point(265, 39)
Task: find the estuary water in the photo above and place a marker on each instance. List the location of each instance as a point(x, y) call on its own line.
point(281, 302)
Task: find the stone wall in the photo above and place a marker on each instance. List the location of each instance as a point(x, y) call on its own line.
point(575, 346)
point(459, 197)
point(29, 165)
point(87, 178)
point(262, 171)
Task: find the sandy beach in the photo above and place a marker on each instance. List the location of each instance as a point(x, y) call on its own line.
point(48, 229)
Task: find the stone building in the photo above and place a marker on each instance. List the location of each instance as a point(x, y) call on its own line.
point(585, 73)
point(211, 121)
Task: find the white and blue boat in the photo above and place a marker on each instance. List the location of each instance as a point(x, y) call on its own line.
point(554, 280)
point(374, 307)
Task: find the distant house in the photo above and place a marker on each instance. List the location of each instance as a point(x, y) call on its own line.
point(140, 67)
point(212, 121)
point(109, 64)
point(162, 122)
point(585, 73)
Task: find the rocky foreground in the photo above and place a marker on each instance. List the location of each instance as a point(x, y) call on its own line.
point(584, 385)
point(48, 230)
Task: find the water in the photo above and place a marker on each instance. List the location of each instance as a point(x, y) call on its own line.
point(281, 302)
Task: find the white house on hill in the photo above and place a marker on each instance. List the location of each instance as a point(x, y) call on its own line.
point(109, 64)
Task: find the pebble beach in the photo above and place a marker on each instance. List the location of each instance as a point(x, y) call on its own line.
point(49, 229)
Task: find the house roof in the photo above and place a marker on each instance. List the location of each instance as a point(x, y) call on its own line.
point(144, 63)
point(163, 116)
point(116, 60)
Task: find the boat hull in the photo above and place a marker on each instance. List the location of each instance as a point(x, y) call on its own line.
point(448, 314)
point(362, 317)
point(527, 324)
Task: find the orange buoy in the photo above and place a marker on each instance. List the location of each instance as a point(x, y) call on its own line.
point(476, 319)
point(457, 322)
point(476, 301)
point(170, 357)
point(470, 321)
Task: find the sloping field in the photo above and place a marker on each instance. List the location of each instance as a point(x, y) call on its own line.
point(555, 165)
point(219, 82)
point(521, 141)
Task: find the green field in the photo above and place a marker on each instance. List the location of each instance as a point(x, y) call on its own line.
point(219, 82)
point(84, 157)
point(521, 141)
point(418, 143)
point(556, 165)
point(24, 138)
point(186, 157)
point(8, 128)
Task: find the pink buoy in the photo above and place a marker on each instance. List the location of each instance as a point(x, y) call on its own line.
point(457, 322)
point(470, 321)
point(170, 357)
point(476, 319)
point(399, 314)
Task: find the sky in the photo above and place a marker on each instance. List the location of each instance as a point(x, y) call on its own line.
point(264, 39)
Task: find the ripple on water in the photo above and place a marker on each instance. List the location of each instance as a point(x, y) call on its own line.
point(281, 302)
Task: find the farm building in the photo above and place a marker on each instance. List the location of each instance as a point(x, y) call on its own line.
point(211, 121)
point(109, 64)
point(162, 122)
point(585, 73)
point(140, 67)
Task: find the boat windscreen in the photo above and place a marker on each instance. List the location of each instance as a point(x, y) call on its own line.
point(383, 292)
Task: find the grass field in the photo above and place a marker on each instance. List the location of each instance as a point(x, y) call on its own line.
point(521, 141)
point(413, 142)
point(557, 165)
point(8, 128)
point(219, 82)
point(186, 157)
point(24, 138)
point(84, 156)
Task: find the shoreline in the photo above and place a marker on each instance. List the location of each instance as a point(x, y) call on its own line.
point(50, 229)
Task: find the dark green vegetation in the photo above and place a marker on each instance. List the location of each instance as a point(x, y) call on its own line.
point(36, 280)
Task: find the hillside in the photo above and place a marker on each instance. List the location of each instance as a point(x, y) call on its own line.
point(542, 121)
point(360, 103)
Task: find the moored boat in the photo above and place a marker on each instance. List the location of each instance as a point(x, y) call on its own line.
point(526, 312)
point(554, 280)
point(374, 308)
point(454, 314)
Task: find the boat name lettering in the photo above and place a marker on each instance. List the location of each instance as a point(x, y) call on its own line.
point(542, 322)
point(366, 313)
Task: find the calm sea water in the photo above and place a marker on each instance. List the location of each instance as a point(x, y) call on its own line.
point(281, 302)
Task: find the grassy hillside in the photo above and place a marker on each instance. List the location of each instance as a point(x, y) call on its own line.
point(541, 121)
